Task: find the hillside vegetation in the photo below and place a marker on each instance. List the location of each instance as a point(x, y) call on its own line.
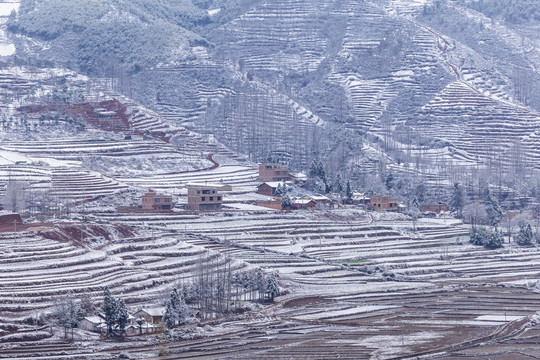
point(113, 32)
point(416, 82)
point(511, 11)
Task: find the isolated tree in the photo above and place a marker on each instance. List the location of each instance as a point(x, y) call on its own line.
point(121, 315)
point(389, 181)
point(338, 186)
point(109, 309)
point(175, 310)
point(494, 212)
point(67, 312)
point(494, 240)
point(477, 236)
point(508, 223)
point(457, 201)
point(169, 316)
point(420, 192)
point(525, 236)
point(14, 196)
point(272, 286)
point(475, 213)
point(488, 239)
point(348, 191)
point(286, 202)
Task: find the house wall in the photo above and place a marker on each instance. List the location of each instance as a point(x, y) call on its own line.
point(266, 189)
point(204, 199)
point(272, 204)
point(273, 172)
point(87, 325)
point(383, 203)
point(153, 201)
point(437, 208)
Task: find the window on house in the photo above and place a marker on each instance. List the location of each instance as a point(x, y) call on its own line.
point(211, 198)
point(203, 198)
point(156, 200)
point(206, 191)
point(391, 204)
point(198, 192)
point(167, 200)
point(219, 198)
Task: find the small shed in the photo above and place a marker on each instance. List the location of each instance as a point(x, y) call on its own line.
point(91, 323)
point(308, 204)
point(268, 188)
point(319, 199)
point(436, 208)
point(10, 219)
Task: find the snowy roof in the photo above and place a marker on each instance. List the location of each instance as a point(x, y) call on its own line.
point(94, 319)
point(316, 197)
point(273, 184)
point(157, 311)
point(301, 201)
point(300, 176)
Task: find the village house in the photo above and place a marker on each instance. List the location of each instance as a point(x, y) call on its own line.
point(91, 323)
point(383, 203)
point(157, 202)
point(269, 188)
point(150, 315)
point(359, 198)
point(271, 204)
point(206, 197)
point(308, 204)
point(436, 208)
point(319, 199)
point(10, 221)
point(273, 172)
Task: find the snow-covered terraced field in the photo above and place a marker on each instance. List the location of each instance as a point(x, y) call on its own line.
point(231, 175)
point(480, 125)
point(36, 270)
point(437, 252)
point(349, 276)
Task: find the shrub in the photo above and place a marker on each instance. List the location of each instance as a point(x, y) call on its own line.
point(482, 237)
point(525, 236)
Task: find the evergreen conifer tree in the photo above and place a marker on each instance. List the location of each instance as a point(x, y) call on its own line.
point(122, 316)
point(109, 309)
point(272, 287)
point(457, 201)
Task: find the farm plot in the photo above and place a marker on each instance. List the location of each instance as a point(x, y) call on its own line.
point(37, 268)
point(354, 287)
point(428, 291)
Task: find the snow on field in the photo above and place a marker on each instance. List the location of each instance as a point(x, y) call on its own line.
point(248, 207)
point(499, 319)
point(343, 312)
point(12, 157)
point(6, 7)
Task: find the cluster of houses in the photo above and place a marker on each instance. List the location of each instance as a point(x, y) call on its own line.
point(273, 176)
point(276, 176)
point(143, 321)
point(200, 197)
